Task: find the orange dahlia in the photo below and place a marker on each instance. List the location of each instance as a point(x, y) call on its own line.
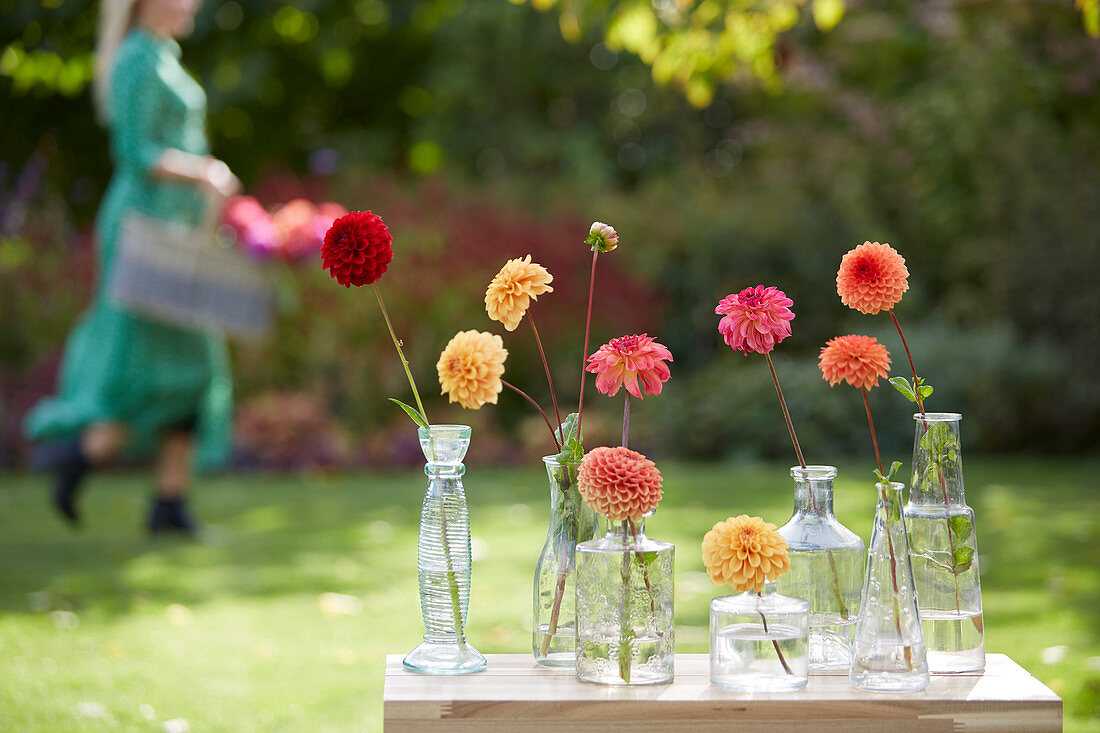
point(510, 293)
point(619, 483)
point(872, 278)
point(743, 552)
point(470, 368)
point(858, 360)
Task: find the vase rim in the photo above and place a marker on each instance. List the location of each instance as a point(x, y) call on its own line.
point(813, 471)
point(556, 459)
point(938, 416)
point(446, 428)
point(893, 485)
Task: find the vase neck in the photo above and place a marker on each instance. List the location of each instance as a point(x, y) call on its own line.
point(813, 490)
point(937, 460)
point(563, 484)
point(621, 530)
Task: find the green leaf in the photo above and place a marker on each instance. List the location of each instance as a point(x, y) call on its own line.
point(901, 384)
point(570, 439)
point(961, 527)
point(963, 556)
point(894, 468)
point(925, 391)
point(416, 417)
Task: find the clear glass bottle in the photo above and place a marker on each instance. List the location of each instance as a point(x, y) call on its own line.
point(443, 557)
point(943, 543)
point(625, 631)
point(827, 565)
point(889, 654)
point(759, 642)
point(554, 632)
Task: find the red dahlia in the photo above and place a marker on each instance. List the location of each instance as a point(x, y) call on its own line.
point(357, 249)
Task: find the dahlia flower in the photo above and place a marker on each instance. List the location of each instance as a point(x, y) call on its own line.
point(619, 483)
point(743, 552)
point(872, 278)
point(357, 249)
point(470, 368)
point(858, 360)
point(602, 237)
point(624, 360)
point(756, 319)
point(510, 293)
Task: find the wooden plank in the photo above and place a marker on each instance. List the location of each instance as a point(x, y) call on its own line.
point(515, 694)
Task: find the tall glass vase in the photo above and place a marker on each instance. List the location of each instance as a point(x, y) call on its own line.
point(625, 608)
point(443, 557)
point(889, 654)
point(554, 631)
point(944, 546)
point(827, 564)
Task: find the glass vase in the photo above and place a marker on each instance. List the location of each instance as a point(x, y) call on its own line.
point(759, 642)
point(827, 564)
point(889, 655)
point(943, 543)
point(554, 631)
point(443, 557)
point(625, 608)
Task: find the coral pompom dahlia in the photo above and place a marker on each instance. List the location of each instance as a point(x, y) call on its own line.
point(872, 278)
point(743, 552)
point(628, 359)
point(756, 319)
point(510, 293)
point(470, 368)
point(357, 249)
point(858, 360)
point(619, 483)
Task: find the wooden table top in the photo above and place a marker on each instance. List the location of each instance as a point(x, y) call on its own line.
point(514, 694)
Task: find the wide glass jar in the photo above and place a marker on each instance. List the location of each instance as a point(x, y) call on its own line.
point(759, 642)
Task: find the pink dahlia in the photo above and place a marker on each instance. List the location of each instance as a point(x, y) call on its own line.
point(756, 319)
point(357, 249)
point(626, 359)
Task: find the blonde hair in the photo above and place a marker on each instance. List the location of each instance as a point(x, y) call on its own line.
point(115, 19)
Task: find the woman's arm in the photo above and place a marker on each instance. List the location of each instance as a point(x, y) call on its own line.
point(203, 170)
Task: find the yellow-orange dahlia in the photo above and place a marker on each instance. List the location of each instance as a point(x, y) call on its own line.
point(470, 368)
point(510, 293)
point(743, 552)
point(858, 360)
point(872, 278)
point(619, 483)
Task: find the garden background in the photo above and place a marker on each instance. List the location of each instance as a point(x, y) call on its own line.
point(965, 134)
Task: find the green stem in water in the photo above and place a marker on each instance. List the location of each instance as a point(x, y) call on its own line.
point(452, 578)
point(400, 353)
point(626, 628)
point(775, 642)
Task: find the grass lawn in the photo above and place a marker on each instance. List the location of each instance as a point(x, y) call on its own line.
point(280, 620)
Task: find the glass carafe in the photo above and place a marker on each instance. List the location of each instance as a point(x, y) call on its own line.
point(827, 565)
point(943, 542)
point(554, 637)
point(443, 557)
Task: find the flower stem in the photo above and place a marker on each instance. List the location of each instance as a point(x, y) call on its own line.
point(452, 577)
point(524, 395)
point(786, 413)
point(400, 353)
point(587, 331)
point(871, 424)
point(546, 366)
point(916, 386)
point(626, 628)
point(626, 418)
point(552, 629)
point(775, 643)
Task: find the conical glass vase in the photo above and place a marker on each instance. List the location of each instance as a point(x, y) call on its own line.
point(827, 566)
point(889, 654)
point(944, 546)
point(759, 642)
point(625, 631)
point(443, 558)
point(554, 631)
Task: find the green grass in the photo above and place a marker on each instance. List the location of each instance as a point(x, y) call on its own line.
point(103, 628)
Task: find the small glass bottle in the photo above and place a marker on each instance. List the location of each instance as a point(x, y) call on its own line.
point(625, 630)
point(943, 542)
point(759, 641)
point(554, 637)
point(827, 565)
point(889, 654)
point(443, 558)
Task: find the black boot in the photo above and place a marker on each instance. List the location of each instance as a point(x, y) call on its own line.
point(172, 515)
point(70, 466)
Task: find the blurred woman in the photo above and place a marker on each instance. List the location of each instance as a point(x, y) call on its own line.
point(127, 384)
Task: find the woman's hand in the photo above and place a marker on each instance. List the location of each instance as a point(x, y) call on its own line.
point(210, 174)
point(219, 180)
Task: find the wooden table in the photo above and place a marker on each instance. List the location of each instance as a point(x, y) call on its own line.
point(515, 695)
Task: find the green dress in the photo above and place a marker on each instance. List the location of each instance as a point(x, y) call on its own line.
point(118, 367)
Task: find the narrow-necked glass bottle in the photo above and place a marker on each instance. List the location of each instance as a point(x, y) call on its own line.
point(889, 654)
point(943, 542)
point(827, 566)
